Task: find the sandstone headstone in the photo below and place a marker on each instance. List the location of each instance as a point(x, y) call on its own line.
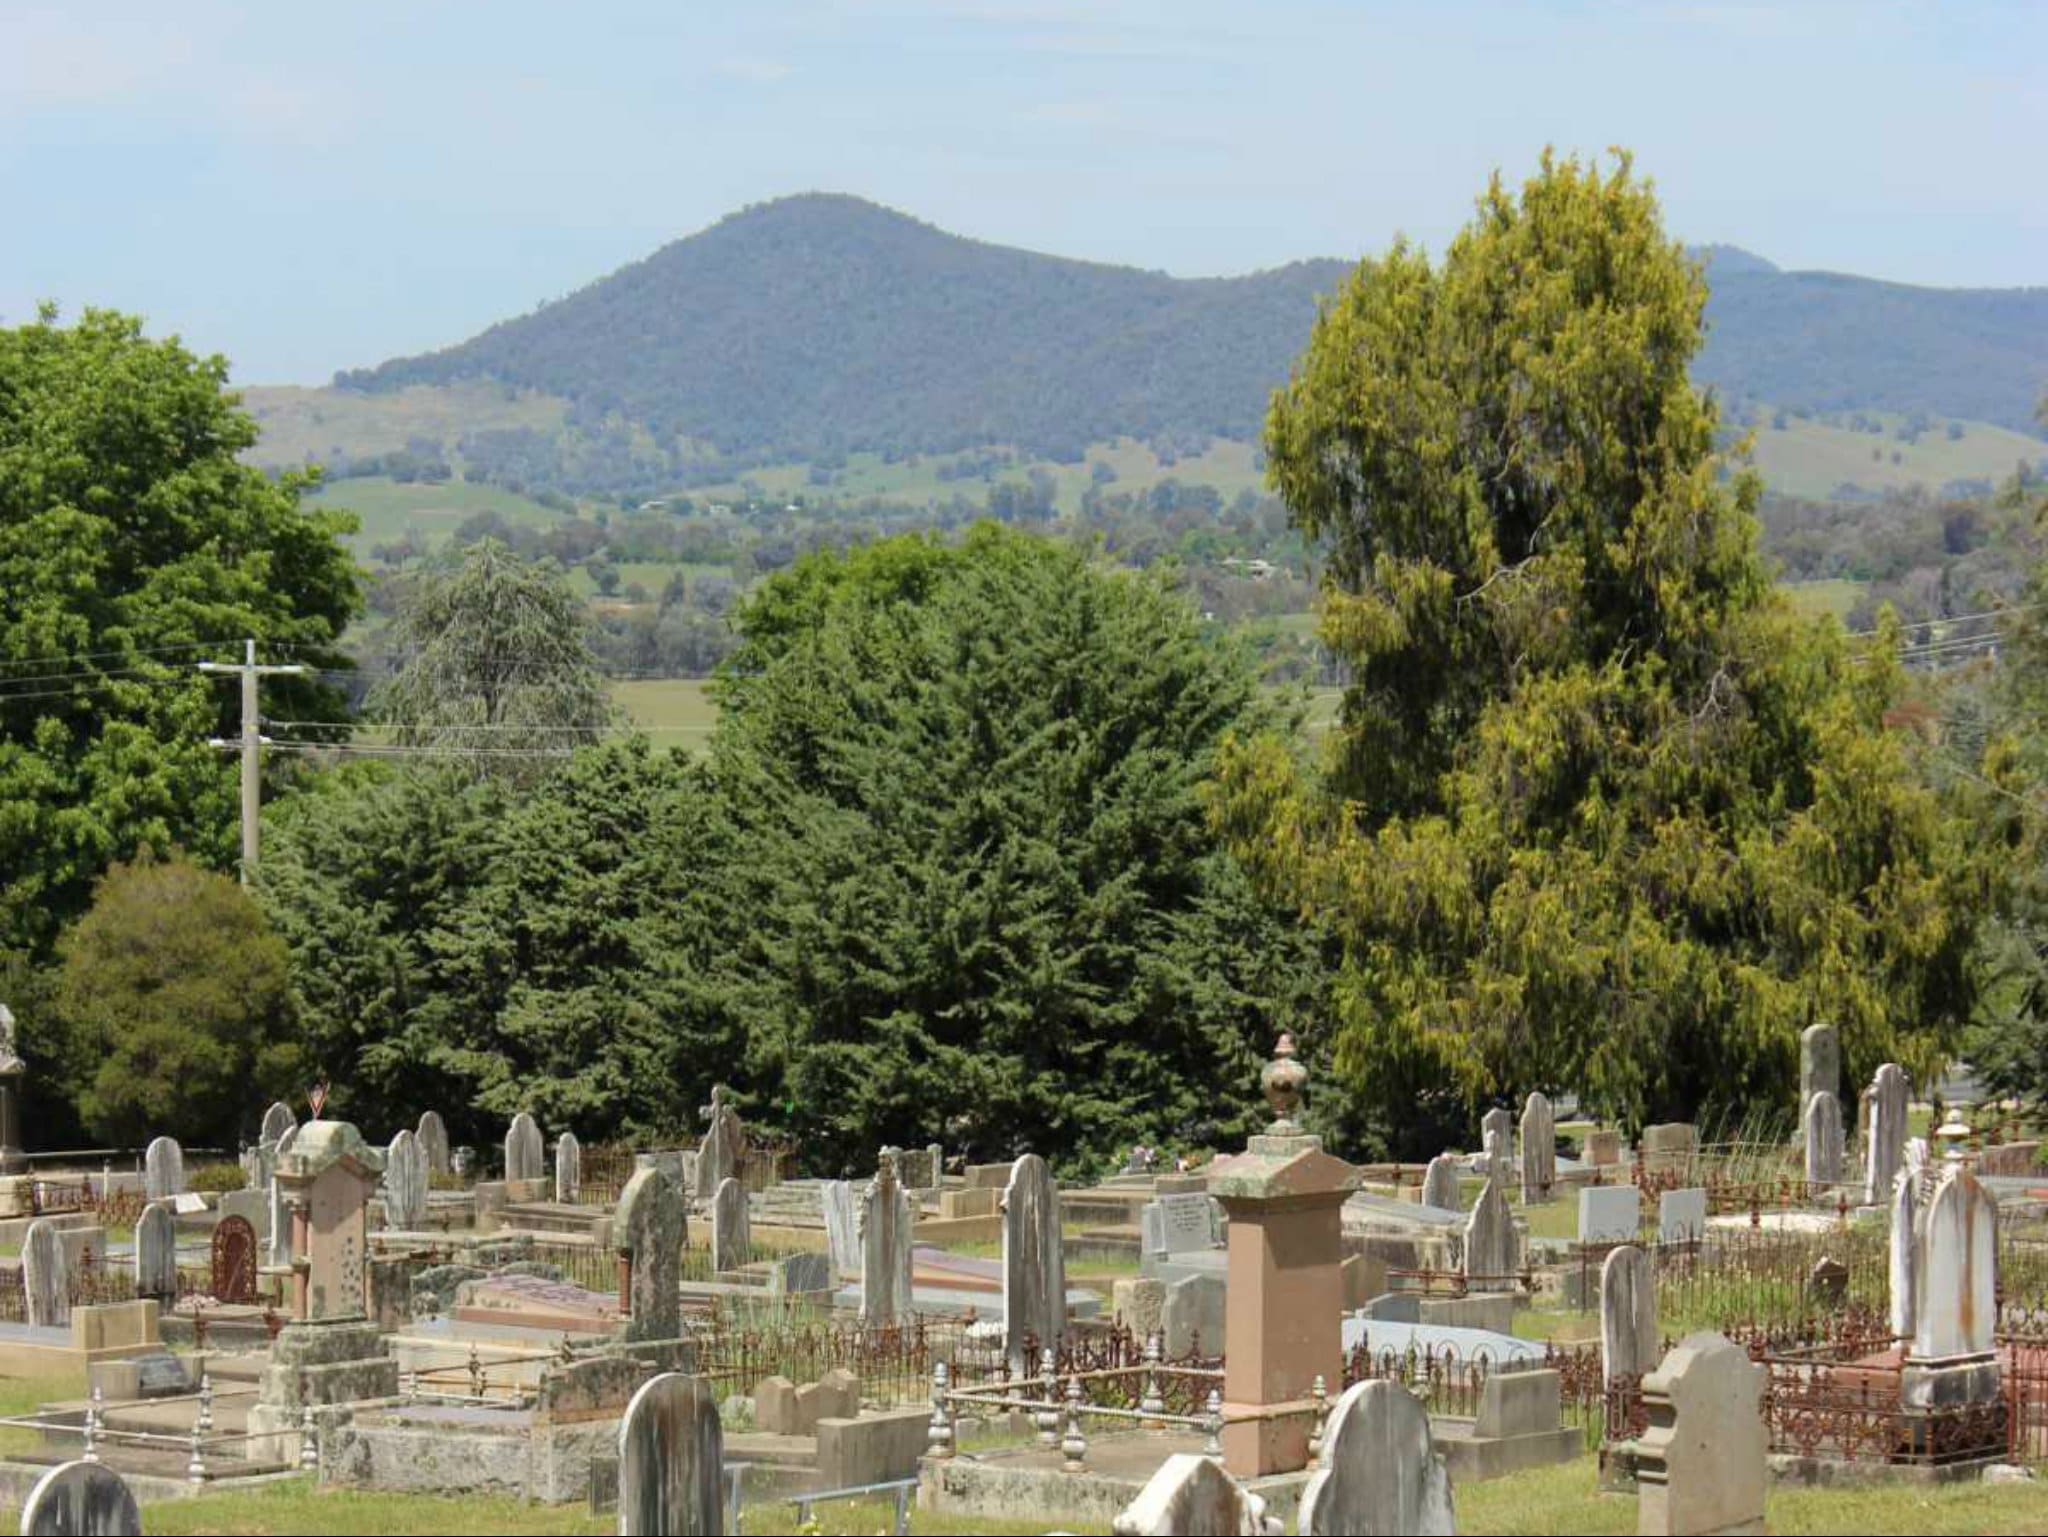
point(723, 1153)
point(329, 1174)
point(1823, 1128)
point(46, 1274)
point(81, 1499)
point(1701, 1465)
point(649, 1228)
point(1628, 1315)
point(1890, 1095)
point(156, 1254)
point(1820, 1064)
point(1191, 1496)
point(671, 1456)
point(1682, 1215)
point(1195, 1317)
point(885, 1229)
point(1670, 1148)
point(1034, 1260)
point(163, 1170)
point(1603, 1147)
point(1493, 1253)
point(842, 1226)
point(1539, 1149)
point(405, 1184)
point(524, 1151)
point(1440, 1186)
point(1138, 1303)
point(1609, 1213)
point(568, 1168)
point(433, 1140)
point(775, 1411)
point(1378, 1471)
point(732, 1244)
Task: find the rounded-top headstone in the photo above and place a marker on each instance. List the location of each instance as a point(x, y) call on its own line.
point(523, 1148)
point(81, 1499)
point(277, 1120)
point(405, 1183)
point(671, 1450)
point(433, 1139)
point(163, 1169)
point(1379, 1471)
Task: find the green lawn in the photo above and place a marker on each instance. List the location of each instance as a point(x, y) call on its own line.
point(674, 710)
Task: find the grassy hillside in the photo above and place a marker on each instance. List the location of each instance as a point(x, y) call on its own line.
point(389, 510)
point(323, 425)
point(1811, 459)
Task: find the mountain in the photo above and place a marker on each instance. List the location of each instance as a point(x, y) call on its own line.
point(820, 325)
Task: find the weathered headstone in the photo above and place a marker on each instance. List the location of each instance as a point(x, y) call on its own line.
point(524, 1150)
point(46, 1274)
point(804, 1274)
point(1181, 1223)
point(732, 1243)
point(1903, 1264)
point(1138, 1303)
point(156, 1254)
point(568, 1168)
point(1603, 1147)
point(885, 1228)
point(1682, 1215)
point(1493, 1258)
point(1440, 1186)
point(671, 1456)
point(723, 1153)
point(1628, 1316)
point(1378, 1472)
point(1497, 1140)
point(1609, 1213)
point(81, 1499)
point(1034, 1259)
point(277, 1126)
point(842, 1226)
point(1951, 1361)
point(405, 1184)
point(433, 1140)
point(1820, 1064)
point(163, 1169)
point(1828, 1282)
point(1890, 1094)
point(1701, 1464)
point(649, 1228)
point(279, 1248)
point(1823, 1128)
point(1191, 1496)
point(277, 1120)
point(1670, 1148)
point(1539, 1149)
point(327, 1178)
point(1195, 1317)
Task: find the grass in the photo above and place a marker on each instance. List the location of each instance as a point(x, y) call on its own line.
point(1836, 595)
point(678, 708)
point(21, 1396)
point(387, 509)
point(1808, 459)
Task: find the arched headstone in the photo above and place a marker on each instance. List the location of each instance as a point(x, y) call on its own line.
point(163, 1170)
point(1440, 1187)
point(1955, 1306)
point(1903, 1254)
point(234, 1260)
point(81, 1499)
point(405, 1184)
point(1378, 1471)
point(46, 1274)
point(1820, 1064)
point(523, 1149)
point(277, 1120)
point(1884, 1149)
point(732, 1243)
point(671, 1457)
point(1539, 1149)
point(1192, 1496)
point(651, 1225)
point(1628, 1315)
point(1823, 1127)
point(568, 1168)
point(1034, 1261)
point(433, 1140)
point(156, 1254)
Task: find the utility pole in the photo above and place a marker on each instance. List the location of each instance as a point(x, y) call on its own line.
point(251, 744)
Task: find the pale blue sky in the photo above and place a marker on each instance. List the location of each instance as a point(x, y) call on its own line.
point(309, 188)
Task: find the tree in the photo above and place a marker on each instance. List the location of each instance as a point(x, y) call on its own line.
point(174, 1006)
point(133, 543)
point(494, 665)
point(1599, 814)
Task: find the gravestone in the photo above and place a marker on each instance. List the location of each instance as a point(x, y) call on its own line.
point(936, 1157)
point(1628, 1316)
point(1823, 1127)
point(433, 1140)
point(81, 1499)
point(1034, 1258)
point(1497, 1140)
point(1951, 1361)
point(800, 1275)
point(1890, 1093)
point(842, 1226)
point(1828, 1282)
point(732, 1244)
point(1440, 1186)
point(232, 1256)
point(1903, 1260)
point(671, 1459)
point(1603, 1147)
point(885, 1228)
point(1180, 1224)
point(277, 1120)
point(1195, 1317)
point(279, 1216)
point(1609, 1214)
point(1378, 1471)
point(523, 1149)
point(1191, 1496)
point(163, 1170)
point(1138, 1303)
point(1539, 1149)
point(327, 1178)
point(723, 1153)
point(1670, 1148)
point(1682, 1215)
point(272, 1132)
point(156, 1254)
point(1700, 1466)
point(46, 1274)
point(405, 1184)
point(1820, 1064)
point(1493, 1257)
point(568, 1168)
point(649, 1228)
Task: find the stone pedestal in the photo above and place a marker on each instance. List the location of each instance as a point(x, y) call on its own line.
point(1954, 1383)
point(324, 1363)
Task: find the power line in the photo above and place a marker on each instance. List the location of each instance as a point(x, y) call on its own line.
point(371, 725)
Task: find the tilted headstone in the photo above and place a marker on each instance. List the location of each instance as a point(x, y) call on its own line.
point(650, 1228)
point(433, 1140)
point(1378, 1472)
point(1195, 1317)
point(81, 1499)
point(524, 1151)
point(842, 1226)
point(1884, 1149)
point(732, 1242)
point(163, 1169)
point(1539, 1149)
point(405, 1184)
point(46, 1274)
point(1497, 1140)
point(1682, 1215)
point(1628, 1315)
point(1609, 1213)
point(723, 1153)
point(1493, 1252)
point(1440, 1187)
point(671, 1459)
point(1955, 1305)
point(1191, 1496)
point(885, 1228)
point(1823, 1127)
point(1701, 1464)
point(1034, 1259)
point(156, 1253)
point(1820, 1064)
point(568, 1168)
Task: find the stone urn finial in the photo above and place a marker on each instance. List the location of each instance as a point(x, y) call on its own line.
point(1282, 1082)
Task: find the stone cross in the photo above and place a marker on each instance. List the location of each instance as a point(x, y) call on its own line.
point(523, 1149)
point(1823, 1127)
point(156, 1253)
point(732, 1243)
point(1193, 1495)
point(1890, 1092)
point(1539, 1149)
point(81, 1499)
point(650, 1228)
point(1440, 1186)
point(433, 1140)
point(1034, 1263)
point(568, 1168)
point(1701, 1465)
point(885, 1227)
point(1628, 1316)
point(405, 1184)
point(1493, 1254)
point(163, 1170)
point(1379, 1471)
point(46, 1274)
point(723, 1153)
point(671, 1459)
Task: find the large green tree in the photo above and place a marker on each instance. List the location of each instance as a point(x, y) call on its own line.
point(133, 543)
point(1600, 814)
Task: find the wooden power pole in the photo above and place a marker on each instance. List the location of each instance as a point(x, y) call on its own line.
point(251, 744)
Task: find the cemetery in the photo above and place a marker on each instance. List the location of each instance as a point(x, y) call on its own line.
point(695, 1338)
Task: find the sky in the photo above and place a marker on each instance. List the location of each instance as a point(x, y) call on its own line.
point(307, 188)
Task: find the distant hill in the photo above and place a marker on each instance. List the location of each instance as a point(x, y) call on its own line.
point(820, 326)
